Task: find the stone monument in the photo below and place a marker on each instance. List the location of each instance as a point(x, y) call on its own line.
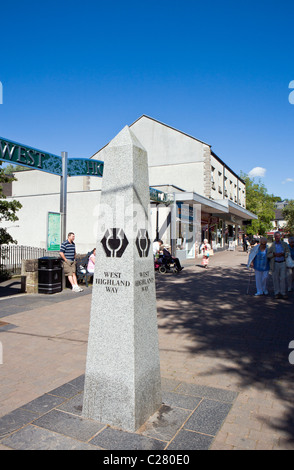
point(122, 380)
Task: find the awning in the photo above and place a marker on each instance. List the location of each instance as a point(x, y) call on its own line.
point(207, 205)
point(237, 212)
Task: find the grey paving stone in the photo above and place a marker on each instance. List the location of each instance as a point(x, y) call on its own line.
point(207, 392)
point(15, 420)
point(169, 385)
point(189, 440)
point(12, 310)
point(25, 302)
point(79, 382)
point(33, 438)
point(165, 423)
point(43, 404)
point(113, 439)
point(181, 401)
point(73, 406)
point(69, 425)
point(67, 391)
point(208, 417)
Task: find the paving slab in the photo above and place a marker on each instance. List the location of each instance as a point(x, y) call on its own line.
point(34, 438)
point(187, 440)
point(54, 421)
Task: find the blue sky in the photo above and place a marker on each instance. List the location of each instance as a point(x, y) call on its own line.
point(75, 73)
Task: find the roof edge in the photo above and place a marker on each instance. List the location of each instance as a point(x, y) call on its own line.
point(170, 127)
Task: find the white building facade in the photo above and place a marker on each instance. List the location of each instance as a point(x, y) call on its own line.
point(206, 199)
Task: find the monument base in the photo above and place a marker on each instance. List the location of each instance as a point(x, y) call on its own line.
point(125, 407)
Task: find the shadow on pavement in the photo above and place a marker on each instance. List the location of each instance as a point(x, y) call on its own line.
point(11, 287)
point(222, 321)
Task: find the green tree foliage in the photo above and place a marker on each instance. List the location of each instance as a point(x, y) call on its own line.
point(8, 209)
point(9, 169)
point(288, 213)
point(261, 204)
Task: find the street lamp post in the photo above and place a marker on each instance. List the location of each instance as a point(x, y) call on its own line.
point(63, 195)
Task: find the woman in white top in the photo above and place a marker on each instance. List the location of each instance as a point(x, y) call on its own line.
point(204, 250)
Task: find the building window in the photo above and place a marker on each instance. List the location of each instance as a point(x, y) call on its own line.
point(226, 186)
point(212, 178)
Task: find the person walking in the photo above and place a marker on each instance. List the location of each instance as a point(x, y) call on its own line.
point(246, 243)
point(204, 250)
point(277, 254)
point(258, 260)
point(68, 255)
point(290, 271)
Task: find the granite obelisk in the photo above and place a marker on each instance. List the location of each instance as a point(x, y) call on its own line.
point(122, 380)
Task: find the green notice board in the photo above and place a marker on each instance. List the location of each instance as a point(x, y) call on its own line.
point(54, 231)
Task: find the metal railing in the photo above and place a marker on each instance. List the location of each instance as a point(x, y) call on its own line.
point(11, 256)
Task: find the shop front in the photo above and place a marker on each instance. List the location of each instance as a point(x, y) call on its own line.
point(197, 218)
point(212, 230)
point(187, 230)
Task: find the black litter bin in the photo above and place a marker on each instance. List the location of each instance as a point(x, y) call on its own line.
point(49, 275)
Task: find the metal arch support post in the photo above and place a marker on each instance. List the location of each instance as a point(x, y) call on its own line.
point(63, 195)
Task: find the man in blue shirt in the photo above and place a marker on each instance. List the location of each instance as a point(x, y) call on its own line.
point(68, 255)
point(277, 254)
